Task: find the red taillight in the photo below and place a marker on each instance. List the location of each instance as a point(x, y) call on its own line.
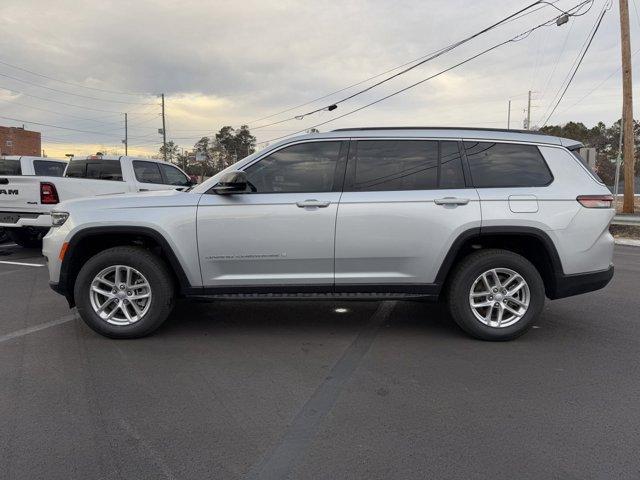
point(48, 194)
point(596, 201)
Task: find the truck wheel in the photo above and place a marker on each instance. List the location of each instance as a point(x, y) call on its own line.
point(124, 292)
point(4, 237)
point(28, 237)
point(495, 294)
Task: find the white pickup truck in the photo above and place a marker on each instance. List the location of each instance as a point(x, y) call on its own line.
point(15, 165)
point(26, 200)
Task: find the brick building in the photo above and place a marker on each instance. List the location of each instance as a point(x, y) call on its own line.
point(18, 141)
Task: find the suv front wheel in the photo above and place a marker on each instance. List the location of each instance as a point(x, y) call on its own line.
point(495, 294)
point(124, 292)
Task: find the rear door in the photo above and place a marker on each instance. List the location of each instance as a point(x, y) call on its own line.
point(405, 202)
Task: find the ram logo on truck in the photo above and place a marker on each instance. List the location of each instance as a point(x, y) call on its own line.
point(8, 192)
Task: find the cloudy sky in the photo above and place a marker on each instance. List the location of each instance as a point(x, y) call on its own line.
point(81, 64)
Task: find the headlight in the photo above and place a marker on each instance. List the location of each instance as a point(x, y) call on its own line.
point(58, 218)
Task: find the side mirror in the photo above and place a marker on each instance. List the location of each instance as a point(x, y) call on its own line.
point(231, 182)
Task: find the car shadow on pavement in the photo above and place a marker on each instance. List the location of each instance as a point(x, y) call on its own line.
point(223, 317)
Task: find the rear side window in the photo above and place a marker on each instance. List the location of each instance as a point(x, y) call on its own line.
point(495, 165)
point(306, 167)
point(173, 176)
point(585, 164)
point(95, 169)
point(48, 168)
point(104, 170)
point(77, 169)
point(10, 167)
point(147, 172)
point(387, 165)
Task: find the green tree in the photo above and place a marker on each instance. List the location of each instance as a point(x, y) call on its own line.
point(172, 151)
point(227, 147)
point(604, 139)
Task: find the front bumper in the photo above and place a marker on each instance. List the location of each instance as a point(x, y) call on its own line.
point(576, 284)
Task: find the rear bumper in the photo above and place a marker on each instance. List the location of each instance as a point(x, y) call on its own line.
point(569, 285)
point(27, 219)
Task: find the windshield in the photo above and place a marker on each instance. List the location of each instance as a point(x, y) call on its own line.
point(10, 167)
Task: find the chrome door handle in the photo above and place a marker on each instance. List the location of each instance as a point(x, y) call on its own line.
point(451, 201)
point(313, 203)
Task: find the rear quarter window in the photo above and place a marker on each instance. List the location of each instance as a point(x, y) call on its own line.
point(495, 165)
point(95, 169)
point(10, 167)
point(48, 168)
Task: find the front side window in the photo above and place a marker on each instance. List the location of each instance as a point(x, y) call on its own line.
point(173, 176)
point(10, 167)
point(147, 172)
point(306, 167)
point(104, 170)
point(495, 165)
point(392, 165)
point(48, 168)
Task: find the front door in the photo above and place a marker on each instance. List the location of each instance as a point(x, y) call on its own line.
point(405, 202)
point(281, 233)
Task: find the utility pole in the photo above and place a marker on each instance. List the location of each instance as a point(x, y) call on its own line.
point(126, 136)
point(529, 111)
point(164, 131)
point(627, 109)
point(509, 116)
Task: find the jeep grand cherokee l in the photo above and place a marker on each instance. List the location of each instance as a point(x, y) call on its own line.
point(490, 221)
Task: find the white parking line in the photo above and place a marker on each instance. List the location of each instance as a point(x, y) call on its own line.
point(6, 262)
point(36, 328)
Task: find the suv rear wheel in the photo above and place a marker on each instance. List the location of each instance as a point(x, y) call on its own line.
point(495, 294)
point(124, 292)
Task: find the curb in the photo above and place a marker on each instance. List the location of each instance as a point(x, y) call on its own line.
point(627, 241)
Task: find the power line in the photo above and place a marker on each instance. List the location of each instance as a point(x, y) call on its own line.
point(18, 92)
point(514, 39)
point(69, 93)
point(571, 68)
point(593, 34)
point(435, 55)
point(555, 65)
point(385, 72)
point(617, 69)
point(60, 127)
point(71, 83)
point(13, 102)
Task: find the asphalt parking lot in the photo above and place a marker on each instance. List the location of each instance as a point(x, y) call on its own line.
point(297, 390)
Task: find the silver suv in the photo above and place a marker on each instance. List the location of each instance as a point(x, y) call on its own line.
point(491, 221)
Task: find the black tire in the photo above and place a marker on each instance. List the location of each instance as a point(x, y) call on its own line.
point(157, 274)
point(4, 236)
point(28, 237)
point(465, 274)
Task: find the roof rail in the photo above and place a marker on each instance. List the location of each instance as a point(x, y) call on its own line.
point(506, 130)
